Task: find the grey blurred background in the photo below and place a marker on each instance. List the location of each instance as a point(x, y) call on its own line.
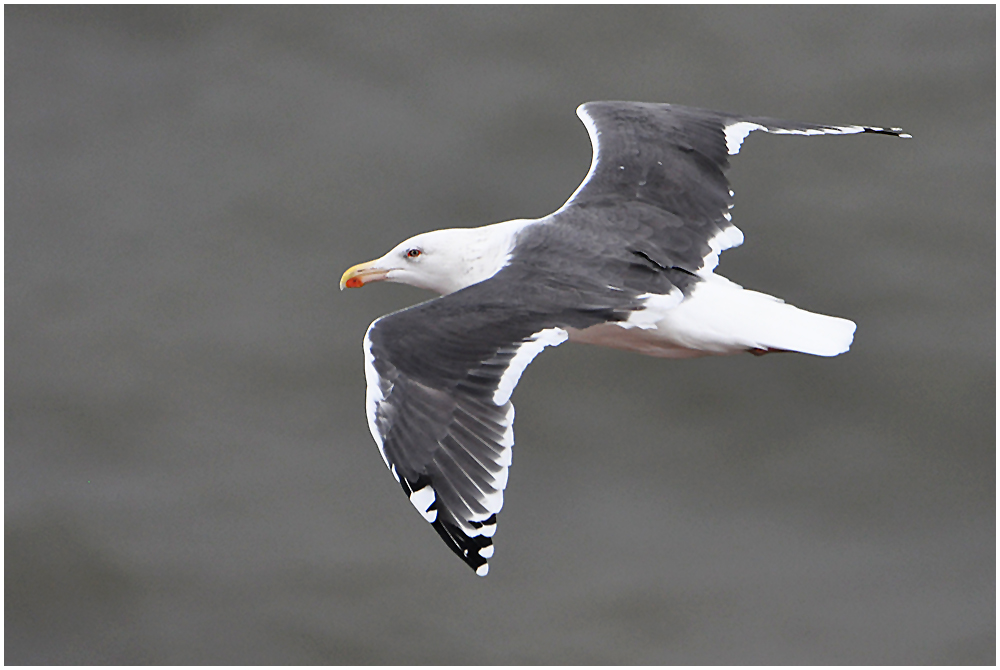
point(189, 474)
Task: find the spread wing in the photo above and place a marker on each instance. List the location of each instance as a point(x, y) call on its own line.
point(658, 180)
point(440, 376)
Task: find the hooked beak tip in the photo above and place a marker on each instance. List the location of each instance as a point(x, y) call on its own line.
point(358, 275)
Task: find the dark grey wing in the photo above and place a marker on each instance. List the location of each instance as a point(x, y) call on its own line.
point(658, 177)
point(440, 375)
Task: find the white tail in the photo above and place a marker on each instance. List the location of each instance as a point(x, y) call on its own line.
point(721, 317)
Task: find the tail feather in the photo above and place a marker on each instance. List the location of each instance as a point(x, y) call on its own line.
point(722, 317)
point(785, 327)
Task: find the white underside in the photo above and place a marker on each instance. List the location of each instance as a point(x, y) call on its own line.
point(721, 318)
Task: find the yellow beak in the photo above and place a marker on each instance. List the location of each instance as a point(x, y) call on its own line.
point(359, 275)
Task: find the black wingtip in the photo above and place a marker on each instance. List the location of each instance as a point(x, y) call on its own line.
point(469, 549)
point(898, 132)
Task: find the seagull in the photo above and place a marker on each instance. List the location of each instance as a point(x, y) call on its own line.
point(627, 262)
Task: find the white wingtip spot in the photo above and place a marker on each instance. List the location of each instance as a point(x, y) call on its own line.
point(486, 552)
point(483, 570)
point(422, 500)
point(489, 530)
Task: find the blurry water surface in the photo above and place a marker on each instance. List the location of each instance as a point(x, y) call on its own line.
point(189, 476)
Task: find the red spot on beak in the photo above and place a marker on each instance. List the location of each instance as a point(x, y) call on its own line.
point(361, 274)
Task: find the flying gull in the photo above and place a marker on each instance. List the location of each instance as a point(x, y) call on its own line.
point(627, 263)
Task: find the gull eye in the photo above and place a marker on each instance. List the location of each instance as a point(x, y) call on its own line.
point(413, 253)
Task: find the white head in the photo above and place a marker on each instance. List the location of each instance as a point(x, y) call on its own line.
point(442, 260)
